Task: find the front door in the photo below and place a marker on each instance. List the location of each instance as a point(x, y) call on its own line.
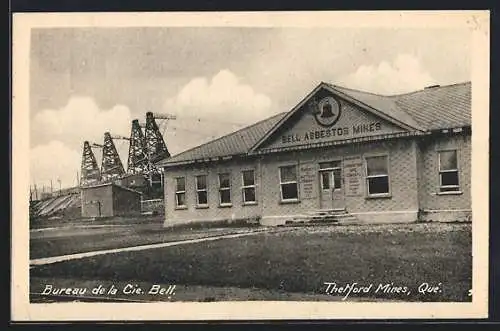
point(331, 188)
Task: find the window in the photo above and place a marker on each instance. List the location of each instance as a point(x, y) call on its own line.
point(248, 187)
point(377, 175)
point(448, 171)
point(325, 180)
point(337, 180)
point(288, 183)
point(329, 170)
point(225, 189)
point(201, 190)
point(180, 192)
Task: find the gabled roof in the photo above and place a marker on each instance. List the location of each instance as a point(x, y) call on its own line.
point(236, 143)
point(378, 103)
point(440, 107)
point(436, 107)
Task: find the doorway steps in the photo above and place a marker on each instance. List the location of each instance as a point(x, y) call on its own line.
point(327, 216)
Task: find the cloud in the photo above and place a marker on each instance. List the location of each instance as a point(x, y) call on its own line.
point(403, 74)
point(81, 119)
point(65, 130)
point(223, 96)
point(211, 107)
point(53, 161)
point(206, 108)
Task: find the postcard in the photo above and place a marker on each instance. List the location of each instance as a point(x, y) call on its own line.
point(250, 165)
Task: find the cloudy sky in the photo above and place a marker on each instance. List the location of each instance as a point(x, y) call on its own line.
point(85, 81)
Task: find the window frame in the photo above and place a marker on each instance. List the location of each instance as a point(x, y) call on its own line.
point(243, 187)
point(457, 170)
point(220, 189)
point(177, 192)
point(367, 177)
point(331, 170)
point(296, 182)
point(322, 182)
point(198, 204)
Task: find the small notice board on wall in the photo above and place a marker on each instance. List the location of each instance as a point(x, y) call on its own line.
point(308, 185)
point(353, 170)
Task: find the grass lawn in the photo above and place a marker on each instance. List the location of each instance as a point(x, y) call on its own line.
point(301, 260)
point(41, 223)
point(79, 240)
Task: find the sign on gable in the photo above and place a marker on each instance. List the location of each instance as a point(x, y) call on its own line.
point(331, 119)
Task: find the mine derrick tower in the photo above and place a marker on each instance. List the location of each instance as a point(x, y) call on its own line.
point(89, 170)
point(137, 153)
point(155, 144)
point(111, 166)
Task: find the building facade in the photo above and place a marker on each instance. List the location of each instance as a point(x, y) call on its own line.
point(376, 158)
point(108, 200)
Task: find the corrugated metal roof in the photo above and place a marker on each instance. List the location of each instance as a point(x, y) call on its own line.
point(235, 143)
point(433, 108)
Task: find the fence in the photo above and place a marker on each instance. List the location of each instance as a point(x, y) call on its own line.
point(155, 206)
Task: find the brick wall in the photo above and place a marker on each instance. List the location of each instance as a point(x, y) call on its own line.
point(274, 211)
point(213, 212)
point(448, 207)
point(402, 205)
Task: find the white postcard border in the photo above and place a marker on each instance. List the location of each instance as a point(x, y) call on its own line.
point(22, 310)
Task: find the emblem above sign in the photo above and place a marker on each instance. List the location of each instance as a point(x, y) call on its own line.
point(327, 112)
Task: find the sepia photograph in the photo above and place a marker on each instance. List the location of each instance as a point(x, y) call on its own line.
point(251, 160)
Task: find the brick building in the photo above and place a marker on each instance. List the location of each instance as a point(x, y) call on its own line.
point(362, 156)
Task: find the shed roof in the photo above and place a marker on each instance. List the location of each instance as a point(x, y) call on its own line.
point(110, 184)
